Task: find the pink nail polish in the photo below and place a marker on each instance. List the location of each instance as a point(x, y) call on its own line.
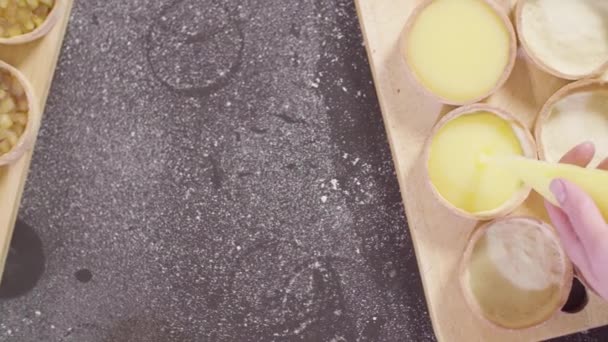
point(559, 191)
point(588, 144)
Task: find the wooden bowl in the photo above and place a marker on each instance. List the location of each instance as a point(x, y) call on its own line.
point(411, 73)
point(27, 138)
point(514, 273)
point(527, 41)
point(50, 21)
point(527, 144)
point(576, 113)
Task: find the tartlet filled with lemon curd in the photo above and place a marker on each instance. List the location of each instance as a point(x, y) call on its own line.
point(459, 51)
point(456, 155)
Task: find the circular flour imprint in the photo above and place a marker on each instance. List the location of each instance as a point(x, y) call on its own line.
point(196, 48)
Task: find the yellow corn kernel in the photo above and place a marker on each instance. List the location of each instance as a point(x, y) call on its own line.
point(11, 137)
point(49, 3)
point(37, 20)
point(4, 4)
point(5, 121)
point(29, 25)
point(4, 147)
point(20, 118)
point(7, 105)
point(13, 31)
point(8, 135)
point(21, 3)
point(23, 15)
point(18, 129)
point(33, 3)
point(11, 13)
point(3, 94)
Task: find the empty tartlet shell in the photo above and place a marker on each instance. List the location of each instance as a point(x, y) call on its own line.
point(27, 138)
point(527, 144)
point(40, 31)
point(566, 279)
point(567, 90)
point(538, 61)
point(411, 74)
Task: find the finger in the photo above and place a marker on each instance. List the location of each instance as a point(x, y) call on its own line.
point(572, 245)
point(583, 214)
point(589, 280)
point(580, 155)
point(570, 241)
point(603, 165)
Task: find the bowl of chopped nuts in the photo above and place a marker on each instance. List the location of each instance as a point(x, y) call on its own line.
point(22, 21)
point(18, 110)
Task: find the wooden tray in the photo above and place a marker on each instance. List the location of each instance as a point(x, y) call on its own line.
point(37, 60)
point(438, 236)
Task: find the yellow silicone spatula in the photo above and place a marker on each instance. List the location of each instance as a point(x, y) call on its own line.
point(539, 174)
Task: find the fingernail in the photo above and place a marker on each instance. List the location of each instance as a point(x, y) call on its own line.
point(558, 190)
point(588, 144)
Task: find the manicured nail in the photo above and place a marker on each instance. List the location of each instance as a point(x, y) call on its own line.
point(588, 145)
point(559, 190)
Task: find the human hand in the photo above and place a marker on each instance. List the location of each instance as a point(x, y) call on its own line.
point(580, 225)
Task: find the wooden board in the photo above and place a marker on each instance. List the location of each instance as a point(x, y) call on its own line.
point(438, 236)
point(37, 60)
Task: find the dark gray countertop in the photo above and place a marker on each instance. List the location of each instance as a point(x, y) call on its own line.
point(213, 171)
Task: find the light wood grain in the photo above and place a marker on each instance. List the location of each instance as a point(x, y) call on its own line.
point(439, 236)
point(37, 60)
